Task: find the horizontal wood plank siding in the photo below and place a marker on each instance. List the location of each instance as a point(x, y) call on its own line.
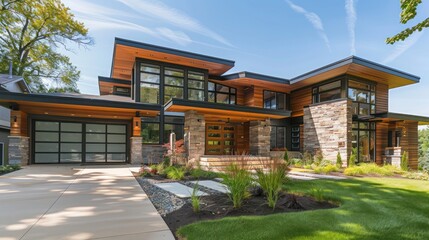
point(381, 141)
point(382, 98)
point(299, 99)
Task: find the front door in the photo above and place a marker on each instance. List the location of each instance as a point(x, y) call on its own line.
point(220, 139)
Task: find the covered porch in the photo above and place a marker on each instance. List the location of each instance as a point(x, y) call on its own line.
point(217, 132)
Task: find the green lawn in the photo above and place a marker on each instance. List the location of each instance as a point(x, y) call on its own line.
point(371, 208)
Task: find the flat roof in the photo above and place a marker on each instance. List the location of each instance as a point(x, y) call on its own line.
point(401, 116)
point(253, 75)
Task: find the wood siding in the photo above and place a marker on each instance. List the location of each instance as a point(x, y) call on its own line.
point(20, 126)
point(382, 98)
point(380, 141)
point(298, 100)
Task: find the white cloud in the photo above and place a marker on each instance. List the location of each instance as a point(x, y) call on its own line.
point(351, 23)
point(177, 36)
point(315, 21)
point(172, 16)
point(401, 47)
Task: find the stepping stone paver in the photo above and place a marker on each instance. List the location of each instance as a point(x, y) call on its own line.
point(212, 185)
point(179, 189)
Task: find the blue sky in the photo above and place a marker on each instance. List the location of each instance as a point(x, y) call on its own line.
point(279, 38)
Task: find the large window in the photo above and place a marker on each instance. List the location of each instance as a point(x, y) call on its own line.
point(149, 83)
point(173, 83)
point(327, 92)
point(221, 94)
point(150, 130)
point(196, 86)
point(363, 141)
point(278, 138)
point(275, 100)
point(173, 124)
point(363, 97)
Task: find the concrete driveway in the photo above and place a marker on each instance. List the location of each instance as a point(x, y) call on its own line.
point(77, 202)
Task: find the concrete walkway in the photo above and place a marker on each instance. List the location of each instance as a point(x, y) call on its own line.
point(75, 202)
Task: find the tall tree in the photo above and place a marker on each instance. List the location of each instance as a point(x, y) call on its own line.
point(409, 11)
point(31, 33)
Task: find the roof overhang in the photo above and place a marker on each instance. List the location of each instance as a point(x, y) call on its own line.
point(75, 106)
point(215, 111)
point(389, 116)
point(246, 79)
point(357, 67)
point(126, 52)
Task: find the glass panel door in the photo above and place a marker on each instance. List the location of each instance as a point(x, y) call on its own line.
point(220, 139)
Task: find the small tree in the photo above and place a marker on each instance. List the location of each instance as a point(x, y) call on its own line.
point(318, 157)
point(339, 160)
point(404, 161)
point(352, 159)
point(286, 158)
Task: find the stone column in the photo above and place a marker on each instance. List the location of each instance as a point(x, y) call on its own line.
point(259, 138)
point(195, 134)
point(327, 127)
point(136, 150)
point(19, 150)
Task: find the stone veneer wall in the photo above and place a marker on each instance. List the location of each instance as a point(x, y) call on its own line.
point(327, 127)
point(195, 134)
point(136, 150)
point(259, 138)
point(152, 153)
point(19, 150)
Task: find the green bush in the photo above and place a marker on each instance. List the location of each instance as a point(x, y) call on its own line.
point(271, 182)
point(160, 168)
point(195, 199)
point(307, 158)
point(352, 159)
point(416, 175)
point(318, 158)
point(371, 169)
point(404, 161)
point(297, 162)
point(286, 158)
point(9, 168)
point(237, 181)
point(166, 162)
point(339, 162)
point(175, 173)
point(199, 173)
point(326, 169)
point(317, 193)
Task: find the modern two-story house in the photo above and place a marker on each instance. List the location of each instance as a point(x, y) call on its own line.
point(153, 91)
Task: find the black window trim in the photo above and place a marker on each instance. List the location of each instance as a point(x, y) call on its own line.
point(215, 91)
point(372, 132)
point(286, 103)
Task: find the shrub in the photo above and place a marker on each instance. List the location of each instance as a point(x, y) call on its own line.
point(195, 199)
point(424, 163)
point(144, 172)
point(9, 168)
point(317, 193)
point(352, 159)
point(175, 173)
point(166, 162)
point(271, 182)
point(339, 162)
point(404, 161)
point(286, 158)
point(296, 162)
point(307, 158)
point(318, 157)
point(199, 173)
point(160, 169)
point(237, 181)
point(326, 169)
point(417, 175)
point(371, 169)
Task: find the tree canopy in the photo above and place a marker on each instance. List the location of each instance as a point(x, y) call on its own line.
point(31, 35)
point(409, 12)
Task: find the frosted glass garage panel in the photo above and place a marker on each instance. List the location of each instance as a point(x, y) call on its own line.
point(46, 158)
point(93, 157)
point(46, 147)
point(90, 147)
point(46, 137)
point(115, 138)
point(70, 157)
point(111, 148)
point(71, 147)
point(47, 126)
point(71, 137)
point(71, 127)
point(99, 128)
point(116, 157)
point(116, 129)
point(95, 137)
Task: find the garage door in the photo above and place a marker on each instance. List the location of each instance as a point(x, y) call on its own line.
point(73, 142)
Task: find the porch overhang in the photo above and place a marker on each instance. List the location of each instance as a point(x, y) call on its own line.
point(224, 111)
point(359, 67)
point(76, 106)
point(390, 117)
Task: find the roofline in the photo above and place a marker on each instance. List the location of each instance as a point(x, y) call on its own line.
point(151, 47)
point(253, 75)
point(402, 116)
point(113, 80)
point(229, 107)
point(11, 96)
point(17, 80)
point(356, 60)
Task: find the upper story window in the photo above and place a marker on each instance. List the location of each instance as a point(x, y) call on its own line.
point(196, 86)
point(327, 92)
point(275, 100)
point(173, 83)
point(177, 82)
point(122, 91)
point(221, 94)
point(363, 97)
point(150, 79)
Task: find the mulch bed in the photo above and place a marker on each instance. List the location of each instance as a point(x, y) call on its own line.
point(219, 206)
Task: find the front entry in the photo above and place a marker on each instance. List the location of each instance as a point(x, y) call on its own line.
point(220, 139)
point(76, 142)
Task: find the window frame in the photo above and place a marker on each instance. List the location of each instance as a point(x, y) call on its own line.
point(276, 99)
point(315, 91)
point(372, 91)
point(157, 120)
point(371, 129)
point(168, 122)
point(275, 137)
point(216, 92)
